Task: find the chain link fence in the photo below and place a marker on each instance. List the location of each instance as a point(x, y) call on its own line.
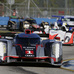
point(23, 11)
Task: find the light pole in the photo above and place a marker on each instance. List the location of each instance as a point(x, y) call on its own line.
point(47, 4)
point(10, 2)
point(28, 8)
point(66, 7)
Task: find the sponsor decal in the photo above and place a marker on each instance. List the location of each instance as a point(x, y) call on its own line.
point(30, 51)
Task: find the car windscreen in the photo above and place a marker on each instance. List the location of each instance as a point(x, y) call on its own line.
point(27, 41)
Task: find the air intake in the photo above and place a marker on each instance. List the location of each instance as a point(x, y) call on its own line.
point(28, 31)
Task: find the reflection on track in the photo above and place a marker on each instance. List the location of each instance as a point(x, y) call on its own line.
point(68, 65)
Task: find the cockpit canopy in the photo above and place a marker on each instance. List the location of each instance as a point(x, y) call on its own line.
point(27, 39)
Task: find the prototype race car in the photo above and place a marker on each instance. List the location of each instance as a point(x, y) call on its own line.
point(14, 23)
point(67, 37)
point(44, 28)
point(29, 47)
point(67, 20)
point(29, 23)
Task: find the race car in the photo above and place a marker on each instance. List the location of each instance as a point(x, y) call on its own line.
point(67, 37)
point(44, 28)
point(30, 24)
point(29, 47)
point(14, 23)
point(67, 20)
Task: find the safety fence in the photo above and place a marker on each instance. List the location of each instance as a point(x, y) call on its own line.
point(22, 10)
point(4, 20)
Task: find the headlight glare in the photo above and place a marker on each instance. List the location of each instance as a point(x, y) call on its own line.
point(26, 25)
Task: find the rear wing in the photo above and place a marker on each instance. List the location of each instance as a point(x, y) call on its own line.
point(7, 35)
point(44, 36)
point(37, 30)
point(56, 16)
point(11, 35)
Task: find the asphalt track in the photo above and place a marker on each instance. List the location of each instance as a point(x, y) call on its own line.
point(39, 68)
point(68, 65)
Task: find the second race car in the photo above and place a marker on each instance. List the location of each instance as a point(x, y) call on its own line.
point(67, 37)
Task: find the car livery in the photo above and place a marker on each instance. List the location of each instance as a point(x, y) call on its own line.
point(14, 23)
point(31, 23)
point(29, 47)
point(67, 37)
point(67, 20)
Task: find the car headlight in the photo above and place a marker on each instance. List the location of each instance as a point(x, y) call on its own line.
point(55, 49)
point(26, 25)
point(46, 26)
